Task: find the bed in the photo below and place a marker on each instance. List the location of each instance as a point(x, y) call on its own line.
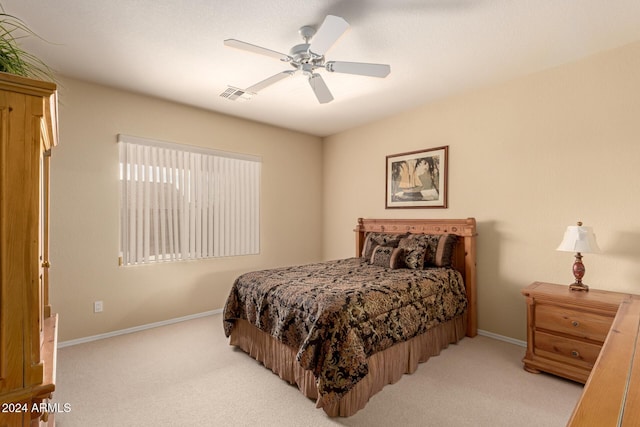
point(343, 329)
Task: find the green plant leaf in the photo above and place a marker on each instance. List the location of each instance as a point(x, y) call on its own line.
point(14, 59)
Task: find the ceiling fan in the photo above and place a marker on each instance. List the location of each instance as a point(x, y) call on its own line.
point(308, 58)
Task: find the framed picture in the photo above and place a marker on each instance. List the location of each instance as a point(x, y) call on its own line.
point(417, 179)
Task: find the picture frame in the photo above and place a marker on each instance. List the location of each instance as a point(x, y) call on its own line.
point(417, 179)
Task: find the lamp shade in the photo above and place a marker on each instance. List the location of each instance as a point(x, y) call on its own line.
point(578, 238)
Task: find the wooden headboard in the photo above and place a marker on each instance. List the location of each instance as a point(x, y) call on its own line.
point(464, 259)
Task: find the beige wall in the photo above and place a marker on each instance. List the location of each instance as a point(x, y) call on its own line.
point(85, 210)
point(527, 158)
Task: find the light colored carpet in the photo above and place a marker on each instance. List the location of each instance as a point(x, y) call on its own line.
point(186, 374)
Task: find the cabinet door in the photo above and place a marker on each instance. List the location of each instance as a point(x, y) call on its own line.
point(12, 274)
point(20, 194)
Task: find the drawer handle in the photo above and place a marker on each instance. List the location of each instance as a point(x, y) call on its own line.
point(575, 323)
point(575, 353)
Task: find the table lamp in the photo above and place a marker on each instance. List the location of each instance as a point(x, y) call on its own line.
point(581, 240)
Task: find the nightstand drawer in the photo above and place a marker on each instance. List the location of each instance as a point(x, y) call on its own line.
point(576, 323)
point(566, 350)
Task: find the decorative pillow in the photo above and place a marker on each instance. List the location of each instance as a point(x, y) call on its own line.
point(415, 259)
point(441, 254)
point(384, 239)
point(386, 256)
point(438, 249)
point(414, 251)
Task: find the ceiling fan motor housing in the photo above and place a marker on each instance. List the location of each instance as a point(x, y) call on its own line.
point(305, 60)
point(309, 56)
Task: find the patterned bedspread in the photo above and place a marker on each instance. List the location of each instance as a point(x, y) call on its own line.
point(338, 313)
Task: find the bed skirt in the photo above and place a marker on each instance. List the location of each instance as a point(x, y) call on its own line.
point(385, 367)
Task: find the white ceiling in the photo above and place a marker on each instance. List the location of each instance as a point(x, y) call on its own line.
point(173, 49)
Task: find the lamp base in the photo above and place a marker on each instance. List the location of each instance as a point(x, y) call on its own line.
point(580, 287)
point(578, 273)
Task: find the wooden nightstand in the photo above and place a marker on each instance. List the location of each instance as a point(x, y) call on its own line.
point(566, 329)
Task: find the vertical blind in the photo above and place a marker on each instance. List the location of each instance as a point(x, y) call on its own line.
point(180, 202)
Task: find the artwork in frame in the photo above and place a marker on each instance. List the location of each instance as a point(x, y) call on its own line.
point(417, 179)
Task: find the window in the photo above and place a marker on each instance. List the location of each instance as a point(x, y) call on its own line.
point(179, 202)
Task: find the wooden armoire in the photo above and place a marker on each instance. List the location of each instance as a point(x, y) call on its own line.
point(28, 328)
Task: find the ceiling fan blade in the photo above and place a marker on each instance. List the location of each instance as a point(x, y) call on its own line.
point(320, 88)
point(269, 81)
point(257, 49)
point(329, 32)
point(359, 68)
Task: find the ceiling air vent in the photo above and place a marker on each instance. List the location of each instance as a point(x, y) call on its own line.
point(235, 94)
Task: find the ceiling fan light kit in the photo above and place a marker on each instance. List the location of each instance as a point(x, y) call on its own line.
point(308, 57)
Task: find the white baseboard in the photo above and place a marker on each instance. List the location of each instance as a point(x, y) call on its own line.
point(502, 338)
point(69, 343)
point(136, 328)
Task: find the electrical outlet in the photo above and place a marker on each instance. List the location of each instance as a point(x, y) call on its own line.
point(97, 307)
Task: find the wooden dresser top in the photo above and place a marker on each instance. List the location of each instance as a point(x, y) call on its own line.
point(594, 298)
